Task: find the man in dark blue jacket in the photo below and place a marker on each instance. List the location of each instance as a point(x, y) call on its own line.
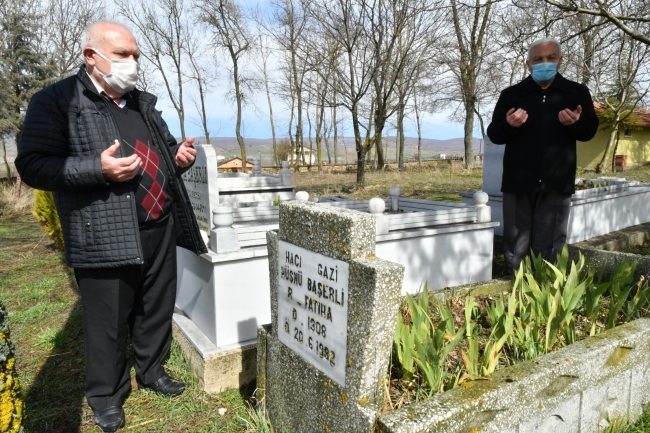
point(539, 121)
point(104, 150)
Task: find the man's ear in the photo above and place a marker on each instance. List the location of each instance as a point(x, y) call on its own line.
point(530, 68)
point(88, 56)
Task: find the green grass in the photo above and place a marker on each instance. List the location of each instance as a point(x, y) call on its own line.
point(640, 173)
point(45, 318)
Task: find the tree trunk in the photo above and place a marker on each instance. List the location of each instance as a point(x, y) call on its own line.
point(311, 144)
point(606, 164)
point(400, 128)
point(360, 149)
point(469, 129)
point(418, 123)
point(4, 157)
point(319, 127)
point(18, 186)
point(268, 97)
point(336, 133)
point(240, 139)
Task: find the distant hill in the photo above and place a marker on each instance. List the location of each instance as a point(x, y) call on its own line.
point(450, 145)
point(228, 147)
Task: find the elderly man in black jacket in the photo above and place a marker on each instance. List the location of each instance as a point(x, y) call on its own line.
point(539, 121)
point(104, 150)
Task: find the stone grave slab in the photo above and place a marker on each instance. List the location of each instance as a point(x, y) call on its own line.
point(324, 357)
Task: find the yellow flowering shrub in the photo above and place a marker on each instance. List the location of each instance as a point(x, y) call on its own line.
point(11, 402)
point(45, 213)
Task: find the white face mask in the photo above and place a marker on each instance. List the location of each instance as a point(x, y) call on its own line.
point(123, 74)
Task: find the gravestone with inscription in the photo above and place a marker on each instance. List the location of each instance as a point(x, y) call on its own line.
point(323, 359)
point(201, 182)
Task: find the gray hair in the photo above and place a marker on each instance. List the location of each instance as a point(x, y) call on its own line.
point(545, 41)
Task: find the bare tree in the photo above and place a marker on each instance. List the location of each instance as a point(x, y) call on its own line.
point(320, 66)
point(347, 22)
point(471, 23)
point(265, 53)
point(63, 28)
point(367, 33)
point(288, 25)
point(201, 75)
point(230, 33)
point(630, 16)
point(403, 33)
point(622, 84)
point(161, 25)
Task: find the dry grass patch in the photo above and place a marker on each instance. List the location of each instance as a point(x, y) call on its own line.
point(442, 183)
point(13, 205)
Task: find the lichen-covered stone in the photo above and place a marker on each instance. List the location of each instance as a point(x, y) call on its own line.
point(299, 397)
point(339, 233)
point(11, 402)
point(595, 375)
point(603, 252)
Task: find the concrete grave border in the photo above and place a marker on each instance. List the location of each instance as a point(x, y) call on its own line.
point(585, 387)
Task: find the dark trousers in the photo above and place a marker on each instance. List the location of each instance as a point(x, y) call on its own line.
point(130, 299)
point(536, 221)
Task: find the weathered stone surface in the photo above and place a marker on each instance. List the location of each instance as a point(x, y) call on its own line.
point(218, 370)
point(640, 390)
point(606, 403)
point(563, 418)
point(338, 233)
point(299, 397)
point(489, 287)
point(603, 252)
point(528, 395)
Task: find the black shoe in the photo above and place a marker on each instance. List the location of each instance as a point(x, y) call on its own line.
point(166, 386)
point(110, 419)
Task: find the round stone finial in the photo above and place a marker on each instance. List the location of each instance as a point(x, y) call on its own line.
point(395, 191)
point(285, 164)
point(302, 196)
point(376, 206)
point(480, 198)
point(222, 217)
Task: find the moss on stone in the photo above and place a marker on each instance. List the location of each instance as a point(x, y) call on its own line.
point(11, 401)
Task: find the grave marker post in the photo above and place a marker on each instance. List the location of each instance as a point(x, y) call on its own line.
point(323, 360)
point(201, 182)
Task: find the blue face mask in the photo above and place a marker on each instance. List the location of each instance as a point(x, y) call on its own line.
point(544, 72)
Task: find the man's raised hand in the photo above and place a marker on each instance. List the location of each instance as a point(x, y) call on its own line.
point(119, 169)
point(516, 118)
point(568, 117)
point(186, 154)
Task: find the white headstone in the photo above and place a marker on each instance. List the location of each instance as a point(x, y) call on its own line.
point(492, 167)
point(201, 184)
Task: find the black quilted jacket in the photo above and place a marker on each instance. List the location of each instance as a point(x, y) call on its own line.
point(67, 126)
point(541, 154)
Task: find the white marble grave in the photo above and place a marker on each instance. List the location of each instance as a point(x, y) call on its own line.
point(594, 212)
point(201, 182)
point(223, 297)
